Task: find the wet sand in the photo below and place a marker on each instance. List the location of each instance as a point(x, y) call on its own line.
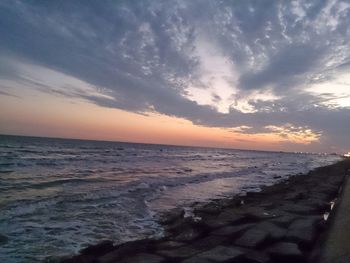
point(282, 223)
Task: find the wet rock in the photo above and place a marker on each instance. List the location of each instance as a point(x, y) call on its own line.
point(255, 195)
point(256, 257)
point(178, 226)
point(230, 216)
point(258, 213)
point(231, 230)
point(171, 216)
point(274, 232)
point(188, 235)
point(76, 259)
point(218, 254)
point(307, 222)
point(213, 223)
point(317, 204)
point(286, 252)
point(208, 242)
point(299, 209)
point(252, 238)
point(99, 249)
point(302, 231)
point(284, 221)
point(3, 239)
point(125, 250)
point(197, 260)
point(169, 245)
point(212, 209)
point(268, 205)
point(328, 189)
point(225, 218)
point(234, 202)
point(110, 257)
point(182, 252)
point(143, 258)
point(295, 196)
point(319, 195)
point(335, 181)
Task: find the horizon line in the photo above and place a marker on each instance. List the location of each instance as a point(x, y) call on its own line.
point(159, 144)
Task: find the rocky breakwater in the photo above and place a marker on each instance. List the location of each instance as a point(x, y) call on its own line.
point(282, 223)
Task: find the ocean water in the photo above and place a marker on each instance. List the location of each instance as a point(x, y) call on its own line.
point(57, 195)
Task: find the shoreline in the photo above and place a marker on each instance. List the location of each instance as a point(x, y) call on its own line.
point(284, 222)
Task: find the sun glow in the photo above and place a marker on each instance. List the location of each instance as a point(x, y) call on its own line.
point(81, 119)
point(334, 93)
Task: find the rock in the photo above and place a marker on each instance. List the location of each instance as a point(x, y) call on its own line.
point(231, 230)
point(256, 257)
point(213, 223)
point(99, 249)
point(258, 213)
point(319, 195)
point(126, 249)
point(143, 258)
point(252, 238)
point(284, 221)
point(197, 260)
point(299, 209)
point(295, 196)
point(182, 252)
point(169, 245)
point(218, 254)
point(328, 189)
point(255, 195)
point(230, 216)
point(317, 204)
point(208, 242)
point(75, 259)
point(268, 205)
point(274, 232)
point(211, 208)
point(286, 252)
point(3, 239)
point(188, 235)
point(171, 216)
point(335, 181)
point(303, 231)
point(110, 257)
point(307, 222)
point(234, 202)
point(178, 226)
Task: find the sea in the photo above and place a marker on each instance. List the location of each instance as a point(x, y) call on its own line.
point(58, 196)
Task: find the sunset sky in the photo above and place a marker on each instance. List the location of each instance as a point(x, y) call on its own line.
point(272, 75)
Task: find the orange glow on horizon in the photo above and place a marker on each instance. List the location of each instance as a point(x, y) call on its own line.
point(45, 115)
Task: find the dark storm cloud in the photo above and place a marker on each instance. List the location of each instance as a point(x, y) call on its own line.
point(145, 54)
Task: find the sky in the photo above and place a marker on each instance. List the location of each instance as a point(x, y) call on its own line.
point(270, 75)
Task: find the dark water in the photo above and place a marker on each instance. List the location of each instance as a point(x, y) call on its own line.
point(58, 195)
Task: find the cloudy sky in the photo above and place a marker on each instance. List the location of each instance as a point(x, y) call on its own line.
point(248, 74)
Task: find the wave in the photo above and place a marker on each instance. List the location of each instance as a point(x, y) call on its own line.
point(61, 194)
point(61, 182)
